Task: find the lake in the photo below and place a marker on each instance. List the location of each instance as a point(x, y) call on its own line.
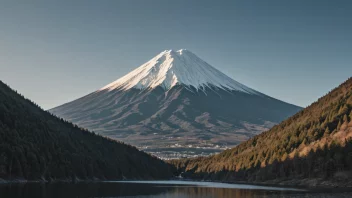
point(158, 189)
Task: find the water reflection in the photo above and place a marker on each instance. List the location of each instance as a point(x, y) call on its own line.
point(144, 190)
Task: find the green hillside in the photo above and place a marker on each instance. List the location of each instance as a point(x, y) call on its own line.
point(315, 144)
point(36, 145)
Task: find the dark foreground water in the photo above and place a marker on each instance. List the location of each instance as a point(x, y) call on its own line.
point(159, 189)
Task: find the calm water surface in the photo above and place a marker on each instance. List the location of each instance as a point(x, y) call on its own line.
point(158, 189)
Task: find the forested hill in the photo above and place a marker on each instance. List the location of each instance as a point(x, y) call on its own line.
point(36, 145)
point(314, 146)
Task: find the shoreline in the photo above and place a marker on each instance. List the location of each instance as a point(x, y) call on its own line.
point(76, 180)
point(304, 184)
point(309, 184)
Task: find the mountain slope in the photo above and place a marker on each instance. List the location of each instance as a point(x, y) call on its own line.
point(176, 99)
point(313, 145)
point(36, 145)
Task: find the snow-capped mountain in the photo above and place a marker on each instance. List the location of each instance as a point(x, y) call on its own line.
point(171, 68)
point(176, 101)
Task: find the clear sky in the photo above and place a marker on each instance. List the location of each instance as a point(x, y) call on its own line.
point(56, 51)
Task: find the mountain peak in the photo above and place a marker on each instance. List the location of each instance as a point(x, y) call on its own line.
point(180, 51)
point(181, 67)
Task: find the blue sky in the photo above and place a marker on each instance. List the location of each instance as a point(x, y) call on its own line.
point(56, 51)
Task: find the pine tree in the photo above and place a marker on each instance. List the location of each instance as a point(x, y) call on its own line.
point(284, 157)
point(339, 125)
point(345, 119)
point(327, 132)
point(343, 110)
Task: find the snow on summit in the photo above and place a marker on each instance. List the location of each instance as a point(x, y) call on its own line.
point(170, 68)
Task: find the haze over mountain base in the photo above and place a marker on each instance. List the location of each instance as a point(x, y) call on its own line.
point(179, 123)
